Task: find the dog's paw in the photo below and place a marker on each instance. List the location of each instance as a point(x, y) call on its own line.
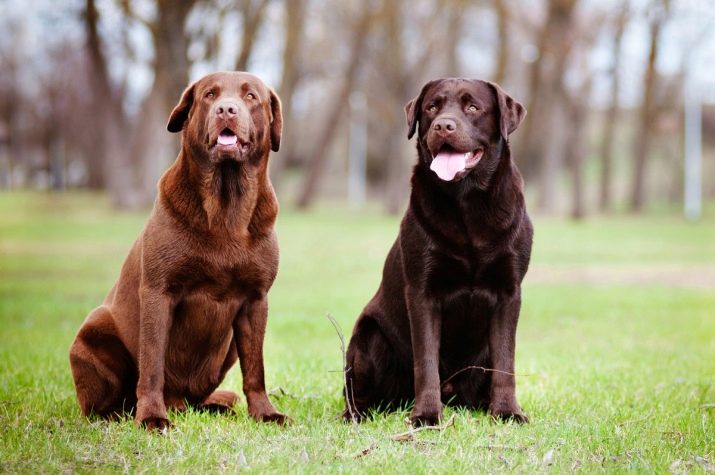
point(275, 417)
point(508, 413)
point(428, 416)
point(155, 424)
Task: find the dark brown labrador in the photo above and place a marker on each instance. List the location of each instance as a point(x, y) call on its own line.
point(191, 296)
point(451, 287)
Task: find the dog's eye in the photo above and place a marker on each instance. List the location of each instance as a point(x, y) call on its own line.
point(432, 108)
point(210, 94)
point(473, 108)
point(250, 95)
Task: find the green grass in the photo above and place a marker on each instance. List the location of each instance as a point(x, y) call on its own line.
point(615, 377)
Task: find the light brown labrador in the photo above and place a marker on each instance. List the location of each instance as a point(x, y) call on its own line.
point(191, 297)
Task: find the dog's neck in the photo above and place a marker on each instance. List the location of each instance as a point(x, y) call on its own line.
point(228, 198)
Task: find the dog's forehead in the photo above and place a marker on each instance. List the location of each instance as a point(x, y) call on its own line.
point(455, 87)
point(233, 80)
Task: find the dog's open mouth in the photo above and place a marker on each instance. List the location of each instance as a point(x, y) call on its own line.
point(227, 138)
point(227, 141)
point(449, 164)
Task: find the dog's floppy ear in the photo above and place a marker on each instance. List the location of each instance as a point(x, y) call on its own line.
point(276, 121)
point(413, 110)
point(181, 111)
point(511, 113)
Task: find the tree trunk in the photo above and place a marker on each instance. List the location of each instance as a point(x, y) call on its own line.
point(336, 110)
point(611, 117)
point(452, 36)
point(153, 145)
point(502, 12)
point(393, 67)
point(252, 19)
point(292, 50)
point(109, 166)
point(647, 116)
point(576, 145)
point(545, 141)
point(536, 154)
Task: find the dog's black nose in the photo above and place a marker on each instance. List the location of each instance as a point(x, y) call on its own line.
point(226, 109)
point(444, 126)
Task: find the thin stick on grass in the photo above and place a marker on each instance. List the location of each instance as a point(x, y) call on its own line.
point(409, 435)
point(351, 411)
point(484, 370)
point(633, 421)
point(499, 447)
point(360, 453)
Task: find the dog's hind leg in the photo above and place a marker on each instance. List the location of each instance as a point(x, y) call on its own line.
point(103, 371)
point(372, 373)
point(221, 401)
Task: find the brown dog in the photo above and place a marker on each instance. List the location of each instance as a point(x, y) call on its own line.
point(191, 296)
point(450, 294)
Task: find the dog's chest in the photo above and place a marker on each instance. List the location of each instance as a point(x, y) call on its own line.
point(221, 279)
point(471, 279)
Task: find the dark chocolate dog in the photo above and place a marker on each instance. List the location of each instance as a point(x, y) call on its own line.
point(450, 295)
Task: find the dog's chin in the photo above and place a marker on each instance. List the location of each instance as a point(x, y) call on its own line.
point(220, 153)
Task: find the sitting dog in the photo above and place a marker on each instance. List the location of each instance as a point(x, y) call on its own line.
point(442, 326)
point(191, 297)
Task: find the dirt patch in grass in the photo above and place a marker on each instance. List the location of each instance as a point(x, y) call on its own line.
point(700, 277)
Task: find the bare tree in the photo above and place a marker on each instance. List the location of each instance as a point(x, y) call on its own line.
point(575, 147)
point(253, 11)
point(611, 117)
point(107, 166)
point(316, 166)
point(152, 147)
point(396, 83)
point(292, 53)
point(659, 11)
point(546, 88)
point(502, 12)
point(10, 105)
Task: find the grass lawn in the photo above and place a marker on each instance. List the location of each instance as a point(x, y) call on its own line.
point(616, 352)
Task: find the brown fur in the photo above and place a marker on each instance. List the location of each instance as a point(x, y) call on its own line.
point(451, 286)
point(191, 297)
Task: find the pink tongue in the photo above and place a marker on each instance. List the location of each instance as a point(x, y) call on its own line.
point(446, 165)
point(227, 139)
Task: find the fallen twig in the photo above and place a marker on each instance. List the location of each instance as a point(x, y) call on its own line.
point(409, 435)
point(633, 421)
point(353, 416)
point(499, 447)
point(361, 453)
point(484, 370)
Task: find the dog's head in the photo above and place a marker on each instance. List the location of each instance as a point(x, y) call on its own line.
point(228, 115)
point(462, 123)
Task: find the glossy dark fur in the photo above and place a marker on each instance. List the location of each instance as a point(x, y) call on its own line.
point(451, 287)
point(191, 298)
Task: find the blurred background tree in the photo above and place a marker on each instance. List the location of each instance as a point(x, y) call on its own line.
point(87, 86)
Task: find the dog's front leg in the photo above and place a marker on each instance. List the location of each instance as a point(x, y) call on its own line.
point(502, 345)
point(153, 338)
point(425, 329)
point(249, 330)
